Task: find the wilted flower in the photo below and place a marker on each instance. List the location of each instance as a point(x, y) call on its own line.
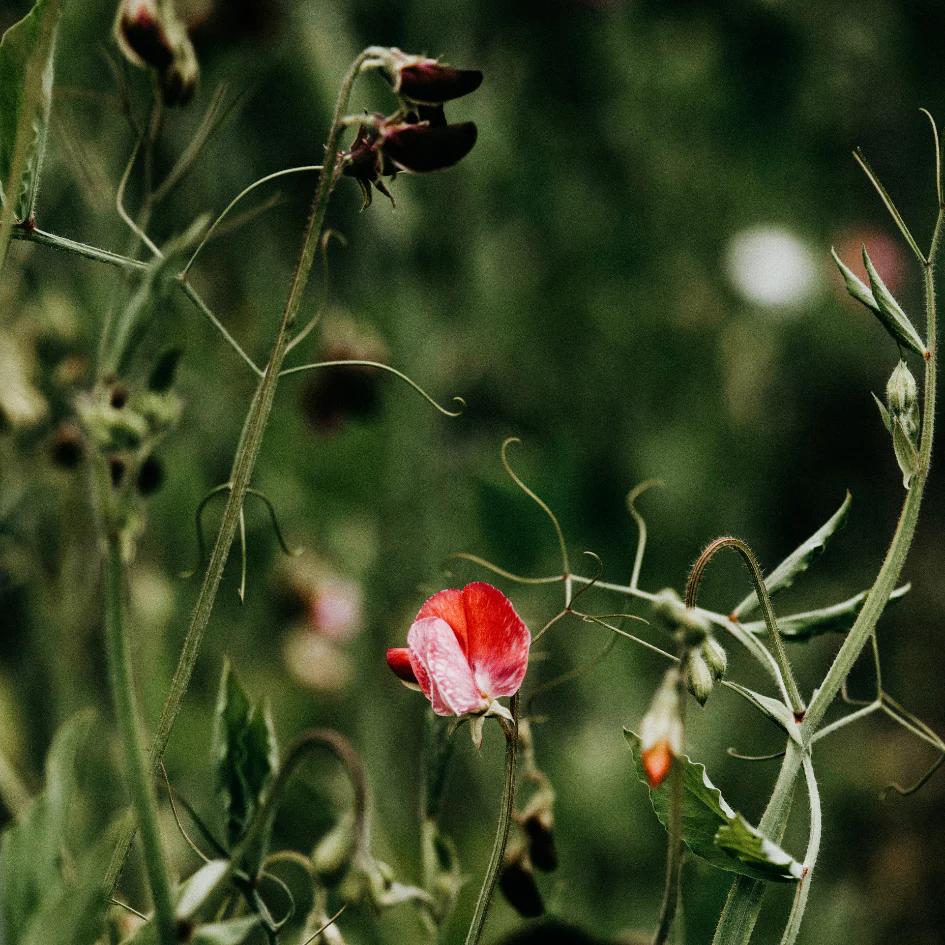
point(466, 649)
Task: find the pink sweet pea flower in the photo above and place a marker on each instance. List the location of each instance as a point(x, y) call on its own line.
point(465, 650)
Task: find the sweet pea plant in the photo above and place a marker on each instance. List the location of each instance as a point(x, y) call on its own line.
point(467, 649)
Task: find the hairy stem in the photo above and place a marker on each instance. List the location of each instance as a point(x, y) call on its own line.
point(502, 831)
point(754, 569)
point(744, 900)
point(247, 453)
point(138, 772)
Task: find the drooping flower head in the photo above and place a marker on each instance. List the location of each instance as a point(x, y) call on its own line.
point(465, 649)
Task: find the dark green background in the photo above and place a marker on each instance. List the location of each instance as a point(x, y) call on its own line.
point(568, 279)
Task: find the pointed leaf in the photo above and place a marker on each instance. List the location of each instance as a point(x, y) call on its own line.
point(750, 846)
point(799, 559)
point(837, 618)
point(777, 711)
point(890, 312)
point(231, 932)
point(244, 754)
point(26, 80)
point(907, 456)
point(200, 888)
point(883, 414)
point(705, 812)
point(855, 286)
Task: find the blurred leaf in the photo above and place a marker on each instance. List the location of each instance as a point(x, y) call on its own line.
point(837, 618)
point(231, 932)
point(37, 903)
point(25, 46)
point(705, 811)
point(197, 889)
point(162, 375)
point(890, 313)
point(751, 847)
point(245, 755)
point(799, 559)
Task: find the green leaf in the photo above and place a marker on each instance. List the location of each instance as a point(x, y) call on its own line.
point(890, 312)
point(799, 559)
point(26, 79)
point(705, 813)
point(197, 890)
point(907, 456)
point(244, 754)
point(162, 375)
point(231, 932)
point(30, 849)
point(855, 286)
point(883, 414)
point(748, 845)
point(837, 618)
point(777, 711)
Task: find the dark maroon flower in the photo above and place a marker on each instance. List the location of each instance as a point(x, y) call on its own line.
point(541, 842)
point(139, 29)
point(517, 882)
point(432, 82)
point(425, 147)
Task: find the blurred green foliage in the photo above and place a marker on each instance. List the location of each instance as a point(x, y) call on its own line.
point(569, 279)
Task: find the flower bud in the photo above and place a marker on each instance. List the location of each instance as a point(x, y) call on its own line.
point(141, 35)
point(661, 730)
point(677, 618)
point(901, 390)
point(699, 677)
point(539, 829)
point(714, 655)
point(517, 882)
point(421, 148)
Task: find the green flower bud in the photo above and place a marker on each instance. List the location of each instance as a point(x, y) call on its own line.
point(715, 657)
point(901, 391)
point(332, 857)
point(699, 677)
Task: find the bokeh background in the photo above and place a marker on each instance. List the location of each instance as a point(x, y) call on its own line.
point(631, 273)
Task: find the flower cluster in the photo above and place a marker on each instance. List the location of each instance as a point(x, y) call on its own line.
point(417, 138)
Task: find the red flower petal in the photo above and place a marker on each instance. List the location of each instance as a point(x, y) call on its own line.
point(448, 605)
point(441, 668)
point(398, 659)
point(497, 640)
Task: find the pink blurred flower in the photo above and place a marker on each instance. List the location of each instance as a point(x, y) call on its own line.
point(887, 256)
point(466, 649)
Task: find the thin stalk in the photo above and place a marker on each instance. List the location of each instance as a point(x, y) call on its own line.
point(138, 772)
point(754, 569)
point(674, 829)
point(502, 830)
point(744, 900)
point(247, 453)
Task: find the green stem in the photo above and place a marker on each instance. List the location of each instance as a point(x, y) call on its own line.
point(247, 453)
point(744, 900)
point(137, 770)
point(502, 831)
point(754, 569)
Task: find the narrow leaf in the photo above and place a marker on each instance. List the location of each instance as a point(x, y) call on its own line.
point(705, 813)
point(750, 846)
point(907, 456)
point(884, 414)
point(201, 887)
point(26, 80)
point(890, 312)
point(231, 932)
point(777, 711)
point(799, 559)
point(837, 618)
point(855, 286)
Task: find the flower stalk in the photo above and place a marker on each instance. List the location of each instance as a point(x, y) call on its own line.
point(502, 830)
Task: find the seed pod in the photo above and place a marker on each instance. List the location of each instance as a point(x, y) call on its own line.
point(677, 618)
